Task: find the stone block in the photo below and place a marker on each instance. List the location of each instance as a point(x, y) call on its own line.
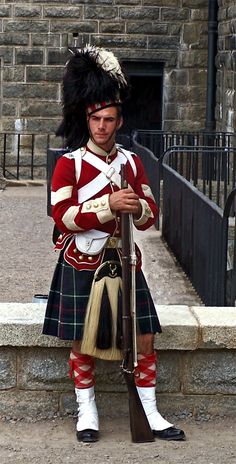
point(168, 371)
point(171, 111)
point(173, 3)
point(74, 26)
point(223, 29)
point(198, 15)
point(165, 56)
point(100, 12)
point(230, 42)
point(111, 41)
point(111, 27)
point(43, 125)
point(231, 12)
point(198, 406)
point(186, 112)
point(110, 405)
point(43, 369)
point(180, 328)
point(197, 77)
point(93, 2)
point(67, 404)
point(164, 42)
point(174, 14)
point(210, 372)
point(192, 94)
point(46, 92)
point(177, 77)
point(31, 56)
point(193, 59)
point(46, 73)
point(22, 405)
point(194, 3)
point(145, 27)
point(13, 73)
point(47, 40)
point(28, 109)
point(5, 11)
point(27, 26)
point(184, 125)
point(192, 33)
point(9, 109)
point(27, 11)
point(127, 2)
point(63, 12)
point(113, 404)
point(109, 377)
point(57, 57)
point(173, 29)
point(140, 13)
point(217, 325)
point(8, 368)
point(13, 39)
point(7, 54)
point(15, 321)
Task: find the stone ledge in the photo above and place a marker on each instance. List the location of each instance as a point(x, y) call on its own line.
point(184, 328)
point(217, 326)
point(23, 183)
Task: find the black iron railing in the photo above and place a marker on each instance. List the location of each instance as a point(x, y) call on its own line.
point(230, 249)
point(208, 173)
point(152, 167)
point(194, 226)
point(23, 156)
point(212, 170)
point(159, 141)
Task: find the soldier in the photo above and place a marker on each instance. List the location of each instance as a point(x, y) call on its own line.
point(86, 206)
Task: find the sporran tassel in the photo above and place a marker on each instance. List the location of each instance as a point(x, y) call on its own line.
point(100, 328)
point(104, 331)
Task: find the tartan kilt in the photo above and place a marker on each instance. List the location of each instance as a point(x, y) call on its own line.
point(68, 299)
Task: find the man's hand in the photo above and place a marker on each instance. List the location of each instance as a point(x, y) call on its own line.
point(125, 201)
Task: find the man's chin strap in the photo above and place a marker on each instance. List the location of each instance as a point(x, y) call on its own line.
point(146, 383)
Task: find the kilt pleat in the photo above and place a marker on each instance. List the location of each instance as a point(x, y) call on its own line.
point(68, 299)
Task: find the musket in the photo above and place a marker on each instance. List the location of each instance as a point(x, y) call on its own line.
point(139, 426)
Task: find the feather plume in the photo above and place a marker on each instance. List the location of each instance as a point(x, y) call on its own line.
point(108, 62)
point(92, 75)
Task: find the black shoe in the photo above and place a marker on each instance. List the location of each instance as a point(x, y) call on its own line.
point(87, 435)
point(170, 434)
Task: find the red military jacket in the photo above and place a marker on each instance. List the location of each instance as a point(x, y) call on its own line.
point(73, 216)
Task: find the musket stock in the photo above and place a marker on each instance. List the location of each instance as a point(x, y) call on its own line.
point(139, 426)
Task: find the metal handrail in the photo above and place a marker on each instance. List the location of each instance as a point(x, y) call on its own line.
point(210, 169)
point(195, 227)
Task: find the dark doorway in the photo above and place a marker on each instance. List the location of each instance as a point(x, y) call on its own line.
point(143, 110)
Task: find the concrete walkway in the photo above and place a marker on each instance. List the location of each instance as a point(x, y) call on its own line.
point(28, 257)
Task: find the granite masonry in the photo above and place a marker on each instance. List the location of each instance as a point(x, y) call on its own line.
point(171, 35)
point(196, 367)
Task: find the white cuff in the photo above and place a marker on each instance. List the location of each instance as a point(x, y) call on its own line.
point(145, 215)
point(99, 206)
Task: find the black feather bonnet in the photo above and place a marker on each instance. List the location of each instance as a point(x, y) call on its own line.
point(93, 79)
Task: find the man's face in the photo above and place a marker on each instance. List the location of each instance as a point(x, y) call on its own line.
point(103, 125)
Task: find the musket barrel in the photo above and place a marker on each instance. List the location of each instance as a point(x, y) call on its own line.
point(139, 426)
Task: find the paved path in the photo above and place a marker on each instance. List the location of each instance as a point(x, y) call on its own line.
point(27, 262)
point(28, 258)
point(54, 442)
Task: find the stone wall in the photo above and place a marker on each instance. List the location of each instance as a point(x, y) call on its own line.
point(226, 66)
point(34, 36)
point(196, 365)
